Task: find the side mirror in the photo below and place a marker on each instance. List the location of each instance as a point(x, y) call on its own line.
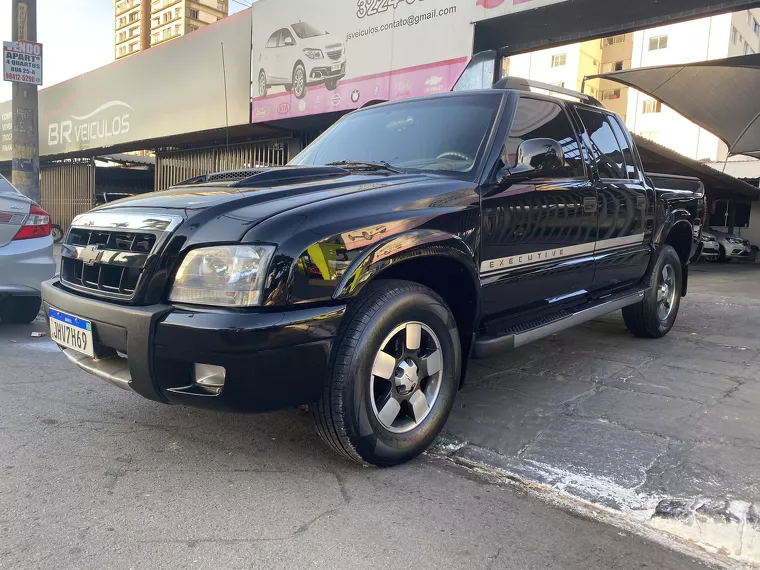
point(535, 158)
point(288, 41)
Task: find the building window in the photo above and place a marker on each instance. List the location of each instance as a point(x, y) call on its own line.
point(734, 35)
point(133, 16)
point(194, 14)
point(651, 106)
point(176, 30)
point(755, 27)
point(613, 40)
point(133, 47)
point(658, 42)
point(612, 66)
point(167, 16)
point(610, 94)
point(191, 28)
point(747, 49)
point(559, 60)
point(122, 36)
point(133, 32)
point(155, 38)
point(167, 33)
point(177, 12)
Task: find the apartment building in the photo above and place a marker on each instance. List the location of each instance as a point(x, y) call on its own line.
point(140, 24)
point(716, 37)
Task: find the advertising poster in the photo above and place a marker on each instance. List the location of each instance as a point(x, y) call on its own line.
point(316, 57)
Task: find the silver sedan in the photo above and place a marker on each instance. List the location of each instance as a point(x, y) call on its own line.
point(26, 255)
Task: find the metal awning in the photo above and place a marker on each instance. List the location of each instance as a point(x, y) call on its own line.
point(718, 185)
point(720, 96)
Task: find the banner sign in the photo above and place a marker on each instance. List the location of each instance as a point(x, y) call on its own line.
point(315, 57)
point(174, 88)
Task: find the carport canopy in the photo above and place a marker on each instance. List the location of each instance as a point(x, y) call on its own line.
point(720, 96)
point(718, 185)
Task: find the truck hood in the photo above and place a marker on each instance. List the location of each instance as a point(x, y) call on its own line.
point(243, 207)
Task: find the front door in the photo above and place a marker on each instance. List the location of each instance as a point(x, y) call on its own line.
point(539, 235)
point(625, 203)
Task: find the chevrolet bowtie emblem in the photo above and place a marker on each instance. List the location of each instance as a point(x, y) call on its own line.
point(90, 255)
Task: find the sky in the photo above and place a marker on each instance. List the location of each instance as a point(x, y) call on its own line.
point(77, 36)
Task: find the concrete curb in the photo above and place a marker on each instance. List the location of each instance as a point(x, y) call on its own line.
point(719, 532)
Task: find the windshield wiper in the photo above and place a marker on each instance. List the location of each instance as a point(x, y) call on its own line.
point(361, 165)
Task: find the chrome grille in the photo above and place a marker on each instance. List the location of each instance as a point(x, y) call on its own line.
point(334, 52)
point(106, 254)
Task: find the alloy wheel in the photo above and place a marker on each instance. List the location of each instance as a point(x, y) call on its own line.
point(666, 292)
point(406, 377)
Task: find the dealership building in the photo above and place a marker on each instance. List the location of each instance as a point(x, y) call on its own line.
point(255, 87)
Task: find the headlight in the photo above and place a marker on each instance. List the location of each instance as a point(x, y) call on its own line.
point(314, 53)
point(735, 241)
point(226, 276)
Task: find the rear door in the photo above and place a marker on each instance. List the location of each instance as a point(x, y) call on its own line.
point(14, 209)
point(539, 235)
point(625, 203)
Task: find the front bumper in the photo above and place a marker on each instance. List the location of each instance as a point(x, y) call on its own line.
point(320, 73)
point(273, 360)
point(736, 251)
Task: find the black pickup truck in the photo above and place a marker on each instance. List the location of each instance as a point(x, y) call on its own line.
point(361, 278)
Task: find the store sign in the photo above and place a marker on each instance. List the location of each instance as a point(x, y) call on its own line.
point(333, 55)
point(22, 62)
point(172, 89)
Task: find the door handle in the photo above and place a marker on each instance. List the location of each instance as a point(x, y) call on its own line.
point(589, 205)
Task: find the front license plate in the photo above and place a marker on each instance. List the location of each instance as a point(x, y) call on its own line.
point(335, 67)
point(71, 331)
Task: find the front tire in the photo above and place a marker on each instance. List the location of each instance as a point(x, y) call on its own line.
point(394, 374)
point(19, 310)
point(654, 316)
point(299, 81)
point(331, 84)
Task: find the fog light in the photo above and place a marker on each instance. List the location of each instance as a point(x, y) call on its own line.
point(209, 377)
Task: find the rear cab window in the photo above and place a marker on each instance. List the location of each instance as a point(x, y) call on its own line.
point(611, 151)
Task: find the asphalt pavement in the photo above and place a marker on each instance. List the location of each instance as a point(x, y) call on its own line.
point(95, 477)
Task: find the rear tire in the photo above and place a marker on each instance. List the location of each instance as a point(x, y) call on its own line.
point(19, 310)
point(654, 316)
point(263, 84)
point(394, 374)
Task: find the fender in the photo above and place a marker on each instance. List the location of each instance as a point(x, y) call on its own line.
point(674, 218)
point(403, 247)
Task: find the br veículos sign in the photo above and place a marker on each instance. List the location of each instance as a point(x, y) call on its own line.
point(22, 62)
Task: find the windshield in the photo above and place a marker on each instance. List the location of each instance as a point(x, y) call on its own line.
point(304, 30)
point(445, 135)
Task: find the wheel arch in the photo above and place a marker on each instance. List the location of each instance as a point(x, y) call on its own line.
point(680, 236)
point(440, 261)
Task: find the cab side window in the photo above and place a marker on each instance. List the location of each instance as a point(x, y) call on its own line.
point(538, 118)
point(605, 149)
